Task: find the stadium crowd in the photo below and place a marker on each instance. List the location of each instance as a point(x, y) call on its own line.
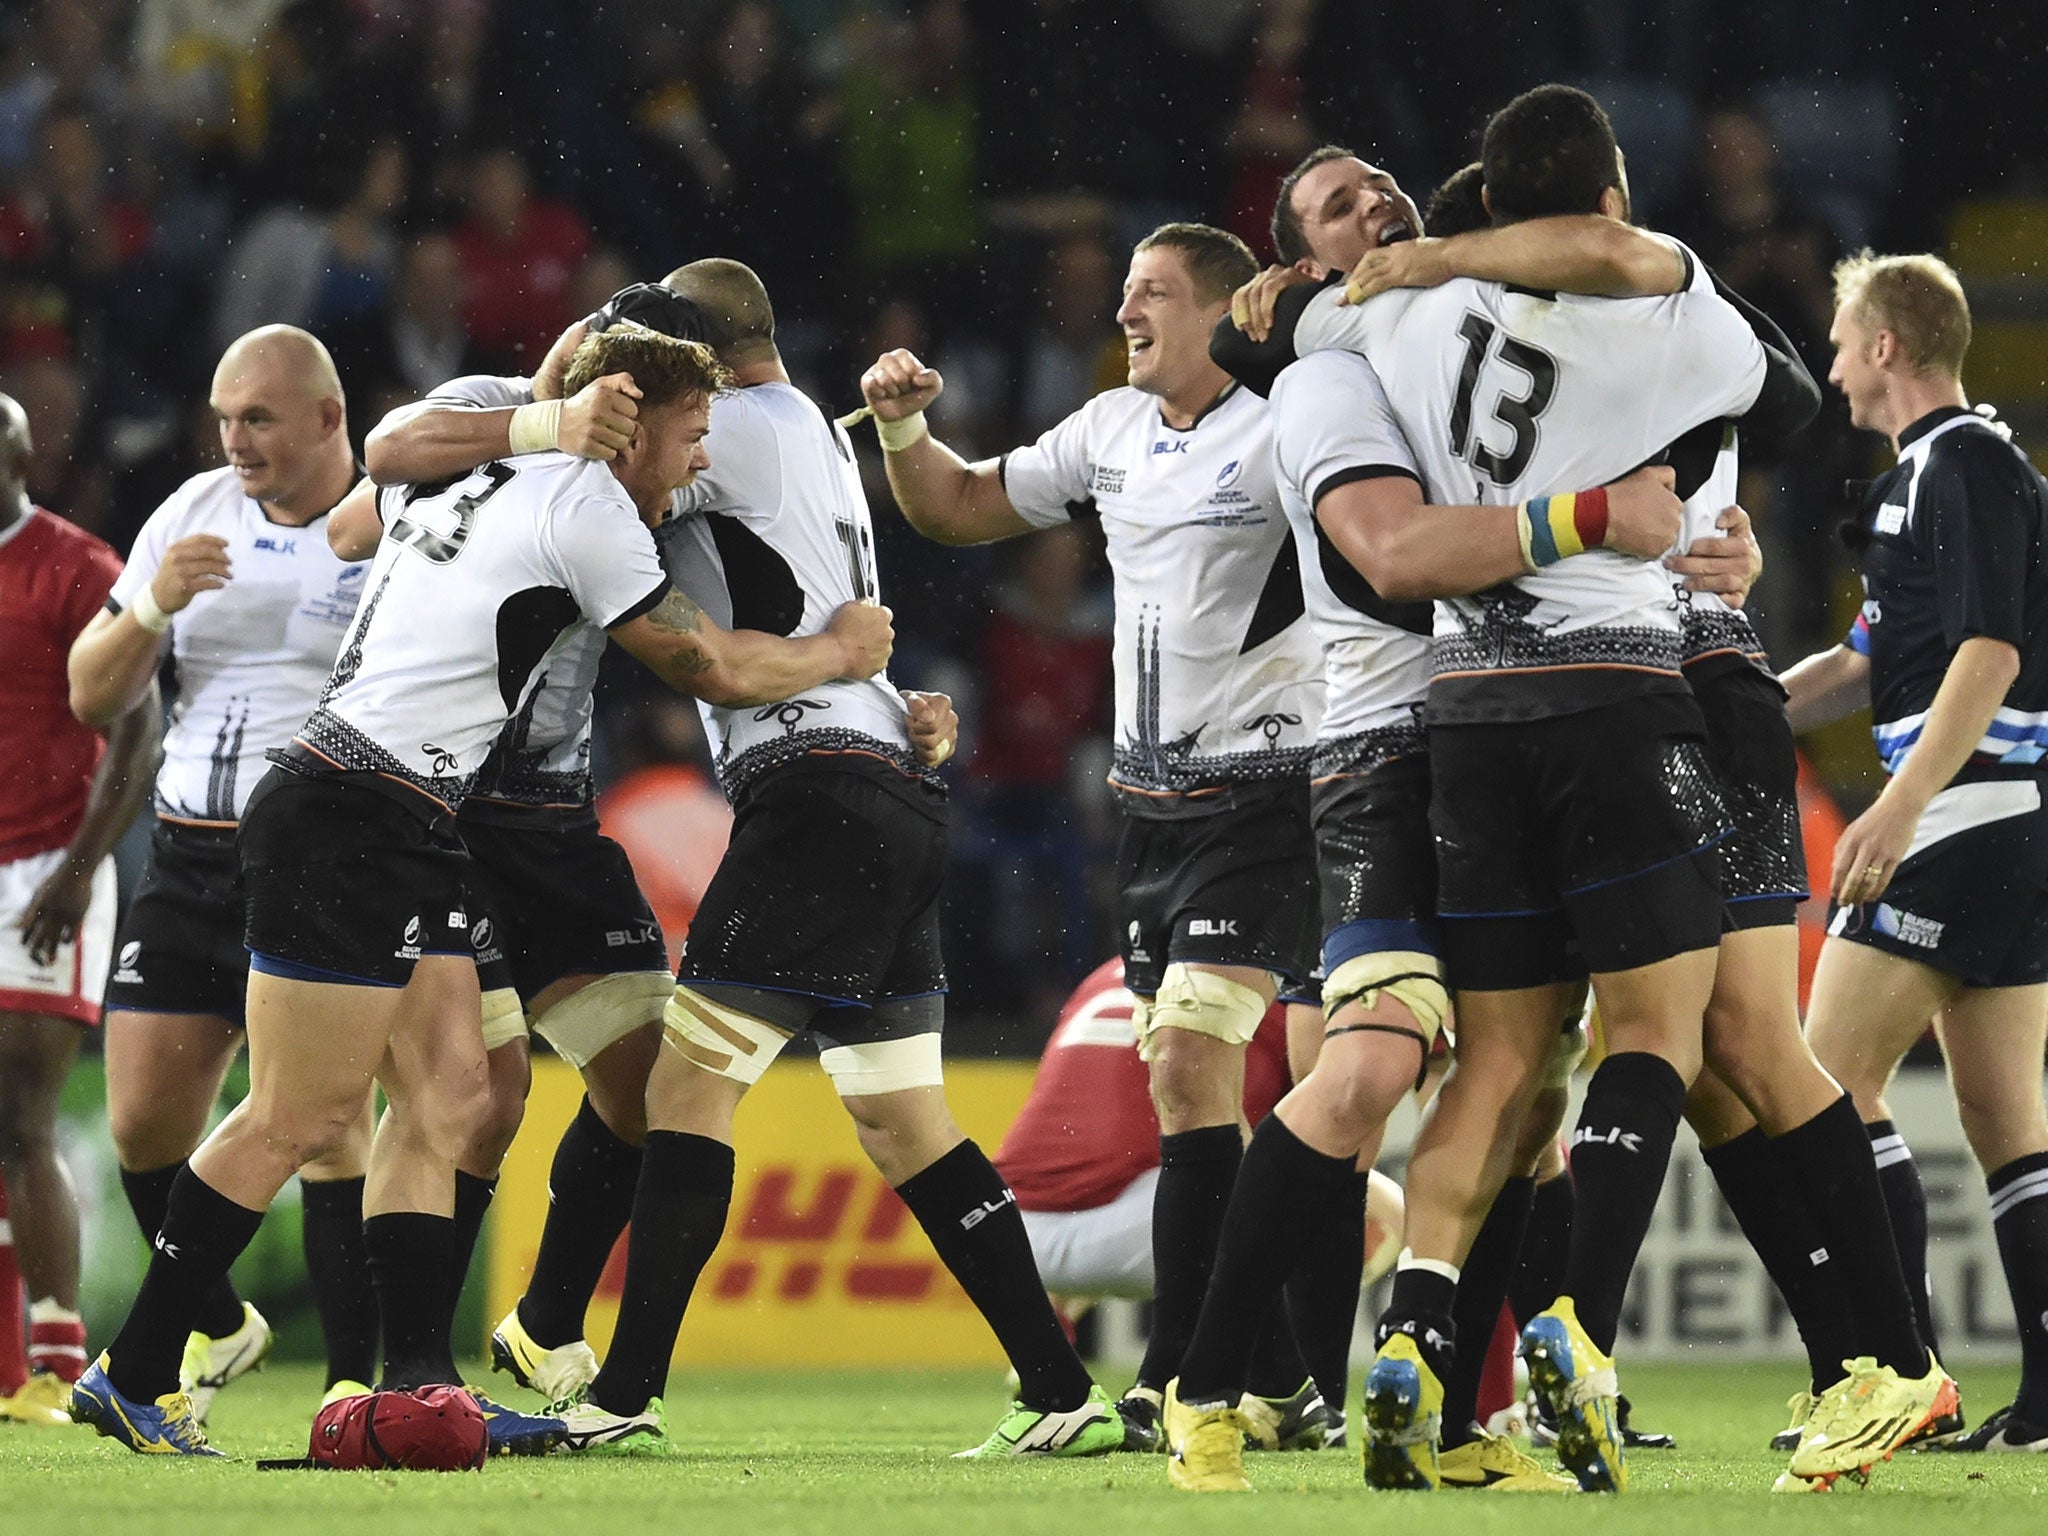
point(1391, 768)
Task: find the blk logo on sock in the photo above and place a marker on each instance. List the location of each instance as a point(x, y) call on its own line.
point(1629, 1141)
point(986, 1209)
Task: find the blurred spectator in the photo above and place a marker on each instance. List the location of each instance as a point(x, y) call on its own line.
point(1778, 255)
point(1269, 134)
point(64, 56)
point(908, 134)
point(412, 343)
point(519, 253)
point(1045, 656)
point(187, 445)
point(603, 273)
point(199, 64)
point(1076, 350)
point(317, 269)
point(62, 476)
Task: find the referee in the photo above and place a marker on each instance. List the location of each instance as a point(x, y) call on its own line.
point(1942, 885)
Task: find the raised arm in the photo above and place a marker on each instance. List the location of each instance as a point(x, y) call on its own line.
point(941, 495)
point(421, 443)
point(741, 667)
point(120, 788)
point(114, 659)
point(1574, 253)
point(354, 530)
point(1410, 550)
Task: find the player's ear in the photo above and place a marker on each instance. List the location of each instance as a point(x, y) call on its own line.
point(333, 416)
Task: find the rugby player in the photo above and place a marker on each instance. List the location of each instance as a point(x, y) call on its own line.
point(68, 798)
point(233, 578)
point(1939, 886)
point(1218, 692)
point(822, 918)
point(362, 961)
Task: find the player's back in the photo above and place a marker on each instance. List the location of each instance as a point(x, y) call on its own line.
point(775, 536)
point(475, 581)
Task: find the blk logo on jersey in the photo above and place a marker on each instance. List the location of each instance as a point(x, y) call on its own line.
point(278, 546)
point(1178, 446)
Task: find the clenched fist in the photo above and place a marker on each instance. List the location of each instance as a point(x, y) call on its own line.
point(866, 637)
point(599, 420)
point(899, 386)
point(196, 563)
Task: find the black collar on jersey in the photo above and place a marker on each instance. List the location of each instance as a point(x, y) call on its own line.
point(1230, 388)
point(1929, 422)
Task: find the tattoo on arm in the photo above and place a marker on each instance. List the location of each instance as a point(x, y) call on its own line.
point(677, 615)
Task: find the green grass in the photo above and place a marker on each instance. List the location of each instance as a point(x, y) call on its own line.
point(848, 1454)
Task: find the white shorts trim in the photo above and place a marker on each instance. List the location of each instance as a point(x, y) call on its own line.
point(71, 986)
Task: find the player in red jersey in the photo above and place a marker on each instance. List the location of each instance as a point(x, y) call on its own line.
point(65, 799)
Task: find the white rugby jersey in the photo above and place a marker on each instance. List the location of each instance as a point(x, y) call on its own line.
point(1218, 679)
point(251, 656)
point(1332, 425)
point(474, 584)
point(542, 757)
point(1716, 637)
point(1506, 394)
point(775, 536)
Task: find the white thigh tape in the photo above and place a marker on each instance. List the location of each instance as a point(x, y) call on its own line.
point(582, 1024)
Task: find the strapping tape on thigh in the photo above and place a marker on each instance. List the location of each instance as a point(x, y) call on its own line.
point(1203, 1003)
point(504, 1018)
point(721, 1040)
point(884, 1066)
point(1410, 977)
point(591, 1018)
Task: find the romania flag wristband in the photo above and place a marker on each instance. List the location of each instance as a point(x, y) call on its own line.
point(1553, 527)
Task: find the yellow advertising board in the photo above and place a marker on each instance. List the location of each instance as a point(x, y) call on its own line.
point(821, 1265)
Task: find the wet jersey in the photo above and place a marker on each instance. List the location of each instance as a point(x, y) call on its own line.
point(542, 758)
point(775, 536)
point(1218, 678)
point(472, 587)
point(1953, 547)
point(252, 656)
point(1506, 394)
point(1332, 426)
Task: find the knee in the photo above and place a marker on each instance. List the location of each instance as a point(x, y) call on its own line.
point(1189, 1090)
point(297, 1134)
point(142, 1137)
point(1360, 1089)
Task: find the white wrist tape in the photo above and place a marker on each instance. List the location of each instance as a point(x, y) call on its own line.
point(148, 612)
point(535, 427)
point(899, 435)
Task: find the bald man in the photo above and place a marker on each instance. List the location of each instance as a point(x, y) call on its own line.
point(65, 799)
point(233, 577)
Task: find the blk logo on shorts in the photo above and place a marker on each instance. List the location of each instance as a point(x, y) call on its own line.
point(1213, 928)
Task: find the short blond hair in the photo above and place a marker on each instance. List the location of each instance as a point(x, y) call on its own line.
point(666, 370)
point(1919, 299)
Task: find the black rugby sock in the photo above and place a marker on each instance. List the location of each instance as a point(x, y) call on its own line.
point(1322, 1293)
point(590, 1199)
point(1284, 1190)
point(1619, 1154)
point(1482, 1289)
point(203, 1233)
point(2019, 1218)
point(1546, 1241)
point(149, 1193)
point(1421, 1307)
point(1196, 1171)
point(472, 1201)
point(411, 1253)
point(972, 1220)
point(1828, 1162)
point(1776, 1221)
point(679, 1211)
point(1905, 1201)
point(338, 1266)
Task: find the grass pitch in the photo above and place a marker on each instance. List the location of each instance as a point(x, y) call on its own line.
point(847, 1454)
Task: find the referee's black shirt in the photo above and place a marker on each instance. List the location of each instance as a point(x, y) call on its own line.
point(1953, 546)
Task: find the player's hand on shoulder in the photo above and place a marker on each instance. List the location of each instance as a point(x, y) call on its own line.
point(599, 420)
point(1644, 517)
point(899, 385)
point(1251, 307)
point(194, 564)
point(1418, 263)
point(1728, 562)
point(934, 727)
point(866, 634)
